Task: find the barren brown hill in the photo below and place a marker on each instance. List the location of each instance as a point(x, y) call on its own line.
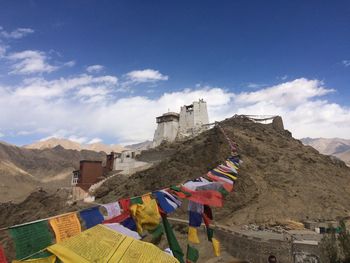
point(22, 170)
point(279, 179)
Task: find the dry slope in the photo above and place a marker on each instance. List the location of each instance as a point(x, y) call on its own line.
point(21, 170)
point(280, 177)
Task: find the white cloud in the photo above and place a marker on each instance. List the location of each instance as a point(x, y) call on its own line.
point(78, 139)
point(146, 75)
point(67, 111)
point(94, 140)
point(15, 34)
point(69, 64)
point(29, 62)
point(346, 63)
point(94, 68)
point(2, 135)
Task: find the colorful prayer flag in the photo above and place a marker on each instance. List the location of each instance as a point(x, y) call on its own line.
point(146, 215)
point(124, 230)
point(2, 255)
point(195, 219)
point(192, 254)
point(216, 246)
point(31, 238)
point(205, 197)
point(172, 241)
point(113, 210)
point(136, 200)
point(65, 226)
point(146, 198)
point(193, 235)
point(167, 202)
point(92, 216)
point(102, 244)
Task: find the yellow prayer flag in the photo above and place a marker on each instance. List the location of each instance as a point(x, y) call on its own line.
point(65, 226)
point(146, 198)
point(100, 244)
point(193, 235)
point(146, 216)
point(50, 259)
point(216, 246)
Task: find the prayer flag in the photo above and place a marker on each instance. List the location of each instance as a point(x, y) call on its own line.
point(102, 244)
point(146, 215)
point(193, 235)
point(129, 223)
point(195, 207)
point(31, 238)
point(172, 241)
point(167, 202)
point(113, 210)
point(216, 246)
point(192, 254)
point(205, 197)
point(65, 226)
point(157, 232)
point(146, 198)
point(2, 255)
point(124, 230)
point(210, 233)
point(226, 183)
point(125, 204)
point(91, 216)
point(136, 200)
point(50, 259)
point(117, 219)
point(195, 219)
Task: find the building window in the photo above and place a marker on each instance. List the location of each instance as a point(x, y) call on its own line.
point(75, 178)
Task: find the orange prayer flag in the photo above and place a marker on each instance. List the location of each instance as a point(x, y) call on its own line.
point(65, 226)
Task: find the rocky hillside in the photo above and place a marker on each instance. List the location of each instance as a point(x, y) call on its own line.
point(71, 145)
point(335, 146)
point(280, 178)
point(22, 170)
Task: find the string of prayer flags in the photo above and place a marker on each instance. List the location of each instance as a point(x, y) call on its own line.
point(172, 241)
point(146, 216)
point(92, 216)
point(192, 254)
point(226, 183)
point(195, 207)
point(65, 226)
point(30, 239)
point(102, 244)
point(216, 246)
point(167, 202)
point(50, 259)
point(124, 230)
point(113, 210)
point(2, 255)
point(193, 235)
point(117, 219)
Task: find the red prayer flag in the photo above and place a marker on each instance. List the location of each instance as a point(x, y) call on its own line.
point(205, 197)
point(2, 255)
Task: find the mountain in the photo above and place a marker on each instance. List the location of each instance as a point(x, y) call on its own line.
point(22, 170)
point(280, 178)
point(71, 145)
point(334, 146)
point(140, 146)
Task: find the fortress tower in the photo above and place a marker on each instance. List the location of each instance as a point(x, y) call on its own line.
point(192, 119)
point(167, 129)
point(173, 126)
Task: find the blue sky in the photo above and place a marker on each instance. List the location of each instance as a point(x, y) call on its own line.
point(103, 70)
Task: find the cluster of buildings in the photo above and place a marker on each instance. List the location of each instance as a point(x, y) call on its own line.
point(171, 126)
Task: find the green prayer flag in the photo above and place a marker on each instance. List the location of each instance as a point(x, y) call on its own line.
point(30, 239)
point(173, 244)
point(192, 254)
point(136, 200)
point(157, 232)
point(223, 191)
point(210, 233)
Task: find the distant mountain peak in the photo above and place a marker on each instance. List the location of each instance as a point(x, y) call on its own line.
point(72, 145)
